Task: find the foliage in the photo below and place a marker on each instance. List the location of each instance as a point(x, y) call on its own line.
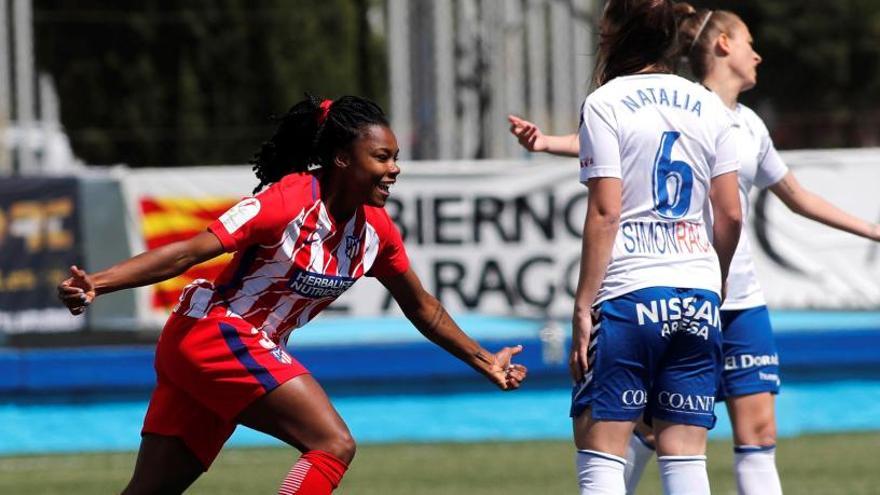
point(819, 83)
point(162, 82)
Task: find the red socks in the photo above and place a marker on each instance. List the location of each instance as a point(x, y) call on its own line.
point(315, 473)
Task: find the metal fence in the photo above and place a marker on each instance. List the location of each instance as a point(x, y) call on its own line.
point(458, 67)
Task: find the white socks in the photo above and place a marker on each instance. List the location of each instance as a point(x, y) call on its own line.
point(683, 474)
point(600, 473)
point(638, 454)
point(755, 470)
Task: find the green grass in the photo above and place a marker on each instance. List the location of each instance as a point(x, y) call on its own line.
point(820, 464)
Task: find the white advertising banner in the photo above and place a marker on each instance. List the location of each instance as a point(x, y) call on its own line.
point(504, 237)
point(805, 265)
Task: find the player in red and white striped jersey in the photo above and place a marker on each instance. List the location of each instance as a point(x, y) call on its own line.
point(318, 227)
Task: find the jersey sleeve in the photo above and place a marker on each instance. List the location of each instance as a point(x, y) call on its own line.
point(726, 158)
point(252, 220)
point(771, 167)
point(600, 148)
point(392, 259)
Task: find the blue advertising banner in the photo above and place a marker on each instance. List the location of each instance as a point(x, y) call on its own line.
point(39, 240)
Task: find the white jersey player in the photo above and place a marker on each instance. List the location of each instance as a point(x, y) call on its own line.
point(718, 44)
point(646, 339)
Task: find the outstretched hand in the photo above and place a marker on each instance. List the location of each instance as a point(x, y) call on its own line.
point(528, 134)
point(76, 292)
point(505, 374)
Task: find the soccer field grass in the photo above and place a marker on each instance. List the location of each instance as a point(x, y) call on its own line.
point(818, 464)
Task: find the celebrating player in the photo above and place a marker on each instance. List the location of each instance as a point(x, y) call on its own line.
point(646, 338)
point(318, 227)
point(719, 47)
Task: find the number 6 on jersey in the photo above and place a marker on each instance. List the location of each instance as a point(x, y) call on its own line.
point(673, 180)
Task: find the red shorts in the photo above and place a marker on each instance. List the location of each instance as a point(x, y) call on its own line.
point(208, 370)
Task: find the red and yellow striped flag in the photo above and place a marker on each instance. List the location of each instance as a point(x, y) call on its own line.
point(165, 220)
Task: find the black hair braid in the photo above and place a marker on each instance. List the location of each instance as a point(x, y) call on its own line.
point(301, 143)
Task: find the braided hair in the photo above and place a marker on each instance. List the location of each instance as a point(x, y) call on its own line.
point(310, 133)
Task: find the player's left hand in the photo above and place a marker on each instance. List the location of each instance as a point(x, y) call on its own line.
point(505, 374)
point(578, 358)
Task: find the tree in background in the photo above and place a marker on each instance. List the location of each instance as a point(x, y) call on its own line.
point(162, 82)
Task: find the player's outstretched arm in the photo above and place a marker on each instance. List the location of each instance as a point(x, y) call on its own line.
point(432, 320)
point(531, 138)
point(147, 268)
point(811, 205)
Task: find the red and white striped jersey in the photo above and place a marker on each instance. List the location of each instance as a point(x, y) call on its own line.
point(291, 258)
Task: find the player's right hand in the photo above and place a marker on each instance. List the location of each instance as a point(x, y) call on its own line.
point(528, 134)
point(76, 292)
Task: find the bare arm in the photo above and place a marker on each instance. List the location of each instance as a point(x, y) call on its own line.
point(600, 230)
point(727, 223)
point(428, 315)
point(531, 138)
point(146, 268)
point(814, 207)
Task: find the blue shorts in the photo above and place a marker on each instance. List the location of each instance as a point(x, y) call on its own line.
point(751, 363)
point(654, 352)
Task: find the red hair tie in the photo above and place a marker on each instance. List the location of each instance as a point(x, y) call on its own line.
point(325, 110)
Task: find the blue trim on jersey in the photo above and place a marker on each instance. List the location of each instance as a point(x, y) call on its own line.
point(230, 335)
point(247, 259)
point(748, 449)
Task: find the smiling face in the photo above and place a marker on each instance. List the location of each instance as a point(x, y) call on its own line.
point(368, 169)
point(743, 60)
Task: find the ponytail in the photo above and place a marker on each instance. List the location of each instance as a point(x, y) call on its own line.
point(311, 133)
point(697, 31)
point(634, 34)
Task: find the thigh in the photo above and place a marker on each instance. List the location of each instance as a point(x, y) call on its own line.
point(679, 439)
point(300, 413)
point(208, 370)
point(751, 362)
point(610, 437)
point(175, 413)
point(687, 379)
point(164, 465)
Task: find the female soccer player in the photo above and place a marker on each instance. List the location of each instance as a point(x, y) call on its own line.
point(646, 338)
point(719, 47)
point(300, 243)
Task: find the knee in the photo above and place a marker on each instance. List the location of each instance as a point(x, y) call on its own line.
point(342, 446)
point(765, 432)
point(761, 433)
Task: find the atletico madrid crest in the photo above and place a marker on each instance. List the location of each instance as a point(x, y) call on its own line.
point(352, 246)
